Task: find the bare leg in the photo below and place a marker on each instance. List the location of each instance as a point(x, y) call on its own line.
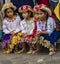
point(37, 46)
point(31, 49)
point(52, 50)
point(22, 50)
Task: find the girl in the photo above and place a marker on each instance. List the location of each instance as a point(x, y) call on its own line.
point(46, 28)
point(11, 26)
point(28, 26)
point(19, 3)
point(49, 4)
point(35, 41)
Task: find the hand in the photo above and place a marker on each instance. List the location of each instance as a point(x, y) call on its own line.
point(12, 32)
point(24, 35)
point(57, 29)
point(38, 33)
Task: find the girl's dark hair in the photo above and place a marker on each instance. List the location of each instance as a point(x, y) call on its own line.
point(7, 9)
point(30, 13)
point(45, 13)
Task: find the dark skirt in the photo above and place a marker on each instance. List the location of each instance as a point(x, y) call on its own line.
point(6, 40)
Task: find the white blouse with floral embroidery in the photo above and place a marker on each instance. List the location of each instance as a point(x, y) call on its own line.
point(27, 26)
point(11, 25)
point(48, 26)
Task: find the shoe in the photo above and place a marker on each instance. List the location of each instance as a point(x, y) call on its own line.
point(51, 53)
point(29, 52)
point(34, 52)
point(7, 52)
point(4, 51)
point(21, 51)
point(41, 39)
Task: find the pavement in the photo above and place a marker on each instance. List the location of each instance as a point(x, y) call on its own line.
point(39, 58)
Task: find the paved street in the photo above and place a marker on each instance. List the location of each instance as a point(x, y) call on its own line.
point(40, 58)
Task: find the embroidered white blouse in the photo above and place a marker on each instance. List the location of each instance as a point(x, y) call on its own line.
point(48, 26)
point(11, 25)
point(27, 26)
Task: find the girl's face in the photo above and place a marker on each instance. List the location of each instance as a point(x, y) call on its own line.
point(42, 15)
point(25, 15)
point(9, 12)
point(36, 16)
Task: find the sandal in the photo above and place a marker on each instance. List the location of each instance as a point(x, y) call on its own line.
point(29, 52)
point(34, 52)
point(51, 53)
point(21, 51)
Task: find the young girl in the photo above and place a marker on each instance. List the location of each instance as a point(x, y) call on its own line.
point(46, 27)
point(11, 26)
point(37, 39)
point(19, 3)
point(28, 26)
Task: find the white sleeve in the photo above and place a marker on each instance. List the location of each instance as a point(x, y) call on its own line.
point(51, 25)
point(22, 27)
point(38, 27)
point(31, 31)
point(5, 28)
point(32, 27)
point(18, 28)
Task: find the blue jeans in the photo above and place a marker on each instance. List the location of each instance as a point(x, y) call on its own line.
point(53, 37)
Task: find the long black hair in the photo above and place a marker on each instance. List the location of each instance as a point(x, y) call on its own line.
point(30, 13)
point(45, 13)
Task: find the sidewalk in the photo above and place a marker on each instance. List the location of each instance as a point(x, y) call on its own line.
point(40, 58)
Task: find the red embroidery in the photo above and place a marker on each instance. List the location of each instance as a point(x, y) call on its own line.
point(35, 27)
